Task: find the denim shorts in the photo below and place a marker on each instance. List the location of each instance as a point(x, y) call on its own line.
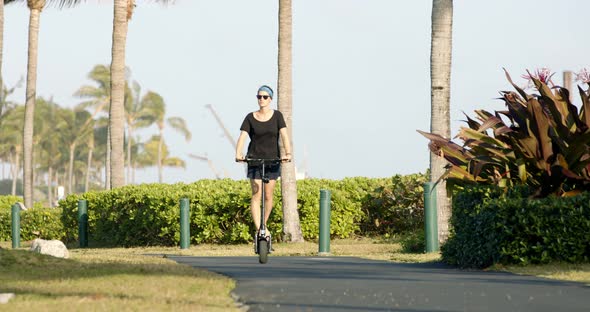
point(272, 172)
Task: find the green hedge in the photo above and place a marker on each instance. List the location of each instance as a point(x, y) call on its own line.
point(490, 227)
point(220, 210)
point(6, 201)
point(148, 214)
point(36, 222)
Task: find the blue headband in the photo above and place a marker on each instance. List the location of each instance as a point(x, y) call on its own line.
point(266, 89)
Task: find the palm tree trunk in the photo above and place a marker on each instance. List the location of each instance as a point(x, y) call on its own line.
point(440, 75)
point(49, 189)
point(1, 50)
point(30, 106)
point(117, 110)
point(88, 168)
point(107, 166)
point(71, 169)
point(291, 226)
point(16, 169)
point(133, 171)
point(129, 136)
point(160, 165)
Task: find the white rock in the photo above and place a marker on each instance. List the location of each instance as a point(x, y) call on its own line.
point(50, 247)
point(5, 297)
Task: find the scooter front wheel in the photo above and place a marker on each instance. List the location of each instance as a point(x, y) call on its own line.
point(262, 251)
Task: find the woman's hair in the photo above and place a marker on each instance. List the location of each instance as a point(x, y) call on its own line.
point(266, 89)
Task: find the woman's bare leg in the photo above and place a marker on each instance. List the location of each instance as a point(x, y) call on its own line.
point(268, 191)
point(255, 202)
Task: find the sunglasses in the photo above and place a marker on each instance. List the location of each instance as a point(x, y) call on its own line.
point(263, 97)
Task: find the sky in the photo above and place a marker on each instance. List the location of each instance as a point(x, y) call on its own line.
point(361, 73)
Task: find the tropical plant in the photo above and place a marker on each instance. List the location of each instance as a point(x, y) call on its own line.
point(155, 153)
point(155, 109)
point(35, 7)
point(440, 89)
point(123, 10)
point(291, 224)
point(137, 116)
point(543, 142)
point(98, 99)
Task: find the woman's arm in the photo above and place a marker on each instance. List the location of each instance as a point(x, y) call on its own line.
point(240, 146)
point(286, 144)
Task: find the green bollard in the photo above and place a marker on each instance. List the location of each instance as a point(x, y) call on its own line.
point(324, 249)
point(83, 223)
point(430, 218)
point(15, 226)
point(184, 224)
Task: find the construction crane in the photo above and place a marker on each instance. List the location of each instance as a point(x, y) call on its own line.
point(225, 131)
point(299, 175)
point(209, 162)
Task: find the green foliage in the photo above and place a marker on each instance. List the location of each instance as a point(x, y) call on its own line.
point(6, 201)
point(543, 142)
point(396, 206)
point(220, 210)
point(491, 225)
point(36, 222)
point(414, 242)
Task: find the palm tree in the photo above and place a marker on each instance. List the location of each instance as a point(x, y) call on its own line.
point(98, 98)
point(49, 144)
point(6, 108)
point(35, 7)
point(11, 142)
point(440, 77)
point(123, 10)
point(155, 152)
point(291, 226)
point(2, 44)
point(137, 116)
point(155, 107)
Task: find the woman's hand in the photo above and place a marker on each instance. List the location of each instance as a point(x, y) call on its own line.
point(240, 158)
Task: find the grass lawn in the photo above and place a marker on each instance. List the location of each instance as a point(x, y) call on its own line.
point(125, 279)
point(108, 280)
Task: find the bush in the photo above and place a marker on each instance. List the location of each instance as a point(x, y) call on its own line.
point(396, 206)
point(414, 242)
point(490, 226)
point(6, 201)
point(36, 222)
point(220, 211)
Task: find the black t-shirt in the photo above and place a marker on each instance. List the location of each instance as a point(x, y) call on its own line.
point(264, 135)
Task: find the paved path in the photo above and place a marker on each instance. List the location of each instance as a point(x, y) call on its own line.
point(354, 284)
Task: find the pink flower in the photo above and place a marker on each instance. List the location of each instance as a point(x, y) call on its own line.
point(544, 75)
point(583, 76)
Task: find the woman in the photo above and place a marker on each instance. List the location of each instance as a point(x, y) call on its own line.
point(264, 127)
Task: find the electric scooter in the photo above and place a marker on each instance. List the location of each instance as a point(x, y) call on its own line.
point(262, 243)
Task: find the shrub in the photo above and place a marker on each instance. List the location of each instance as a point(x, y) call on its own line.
point(490, 225)
point(396, 206)
point(414, 242)
point(36, 222)
point(220, 211)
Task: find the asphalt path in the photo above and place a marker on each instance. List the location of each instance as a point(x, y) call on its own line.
point(354, 284)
